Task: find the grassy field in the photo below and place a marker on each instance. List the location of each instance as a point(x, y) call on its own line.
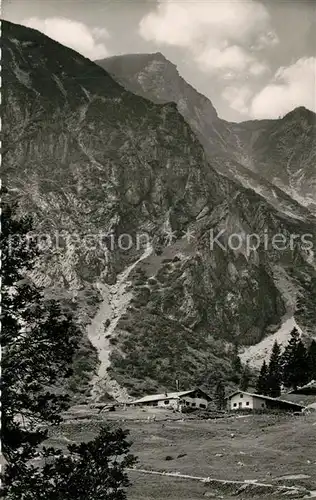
point(273, 449)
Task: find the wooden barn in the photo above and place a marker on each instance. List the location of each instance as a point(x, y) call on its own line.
point(195, 398)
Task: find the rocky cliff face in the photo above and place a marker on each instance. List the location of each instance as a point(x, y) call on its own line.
point(284, 152)
point(266, 153)
point(130, 208)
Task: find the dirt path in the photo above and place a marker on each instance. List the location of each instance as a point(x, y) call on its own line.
point(245, 486)
point(114, 304)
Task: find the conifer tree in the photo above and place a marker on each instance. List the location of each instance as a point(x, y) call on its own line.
point(245, 378)
point(262, 386)
point(219, 395)
point(275, 372)
point(236, 366)
point(38, 345)
point(295, 362)
point(311, 356)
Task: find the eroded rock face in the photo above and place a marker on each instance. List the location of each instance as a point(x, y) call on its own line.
point(91, 162)
point(266, 153)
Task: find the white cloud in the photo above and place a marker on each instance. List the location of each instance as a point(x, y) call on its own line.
point(292, 86)
point(238, 98)
point(230, 62)
point(258, 68)
point(186, 22)
point(230, 58)
point(87, 41)
point(100, 33)
point(217, 34)
point(267, 38)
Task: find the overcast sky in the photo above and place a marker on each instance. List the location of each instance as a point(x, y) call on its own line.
point(252, 59)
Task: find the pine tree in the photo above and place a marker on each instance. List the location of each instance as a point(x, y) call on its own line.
point(94, 470)
point(275, 372)
point(245, 378)
point(219, 395)
point(295, 362)
point(262, 386)
point(38, 345)
point(311, 356)
point(236, 366)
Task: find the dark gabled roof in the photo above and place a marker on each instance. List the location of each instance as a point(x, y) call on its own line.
point(309, 388)
point(269, 398)
point(159, 397)
point(169, 395)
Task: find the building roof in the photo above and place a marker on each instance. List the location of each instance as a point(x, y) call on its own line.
point(303, 399)
point(269, 398)
point(309, 388)
point(167, 395)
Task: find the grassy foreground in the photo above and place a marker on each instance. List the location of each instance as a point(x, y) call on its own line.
point(274, 449)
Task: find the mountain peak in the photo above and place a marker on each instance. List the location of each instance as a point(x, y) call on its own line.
point(300, 111)
point(159, 55)
point(155, 77)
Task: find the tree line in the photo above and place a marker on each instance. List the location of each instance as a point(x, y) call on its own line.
point(292, 368)
point(241, 376)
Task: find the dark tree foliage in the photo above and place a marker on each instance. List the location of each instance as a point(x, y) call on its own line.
point(293, 368)
point(245, 378)
point(236, 366)
point(88, 471)
point(38, 345)
point(295, 362)
point(219, 395)
point(262, 386)
point(275, 372)
point(311, 357)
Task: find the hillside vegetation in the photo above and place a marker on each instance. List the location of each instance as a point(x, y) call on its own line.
point(90, 159)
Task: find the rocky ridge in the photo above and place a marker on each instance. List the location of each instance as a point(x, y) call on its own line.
point(273, 157)
point(97, 166)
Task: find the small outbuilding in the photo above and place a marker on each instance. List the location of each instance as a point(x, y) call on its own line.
point(241, 400)
point(195, 398)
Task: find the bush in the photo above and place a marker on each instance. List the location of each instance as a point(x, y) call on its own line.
point(75, 475)
point(152, 281)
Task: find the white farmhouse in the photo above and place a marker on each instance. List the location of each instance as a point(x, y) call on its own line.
point(241, 400)
point(195, 398)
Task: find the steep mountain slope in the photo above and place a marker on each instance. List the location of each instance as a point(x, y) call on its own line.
point(267, 153)
point(126, 201)
point(284, 151)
